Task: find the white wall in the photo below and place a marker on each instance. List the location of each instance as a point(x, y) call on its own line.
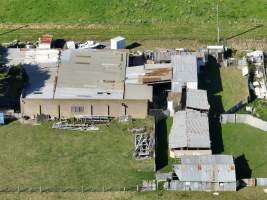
point(192, 85)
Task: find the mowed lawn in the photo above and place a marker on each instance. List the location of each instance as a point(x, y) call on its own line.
point(225, 86)
point(136, 20)
point(250, 193)
point(33, 156)
point(234, 87)
point(241, 139)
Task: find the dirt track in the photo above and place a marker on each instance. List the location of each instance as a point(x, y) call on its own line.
point(52, 26)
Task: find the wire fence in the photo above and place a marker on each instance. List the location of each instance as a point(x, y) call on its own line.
point(40, 189)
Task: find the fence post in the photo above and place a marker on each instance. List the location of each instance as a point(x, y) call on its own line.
point(40, 189)
point(103, 188)
point(18, 189)
point(82, 189)
point(137, 188)
point(124, 189)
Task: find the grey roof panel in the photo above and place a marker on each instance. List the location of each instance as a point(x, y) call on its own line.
point(91, 74)
point(184, 69)
point(190, 129)
point(197, 99)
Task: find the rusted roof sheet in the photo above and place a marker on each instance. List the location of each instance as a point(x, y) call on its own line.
point(206, 168)
point(157, 75)
point(46, 39)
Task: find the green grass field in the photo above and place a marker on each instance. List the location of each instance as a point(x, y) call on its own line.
point(246, 193)
point(234, 87)
point(241, 139)
point(225, 86)
point(127, 11)
point(136, 20)
point(33, 156)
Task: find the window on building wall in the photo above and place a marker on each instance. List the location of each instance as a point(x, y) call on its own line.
point(77, 109)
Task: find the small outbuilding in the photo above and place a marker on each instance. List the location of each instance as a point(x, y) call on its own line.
point(204, 173)
point(117, 43)
point(45, 42)
point(185, 72)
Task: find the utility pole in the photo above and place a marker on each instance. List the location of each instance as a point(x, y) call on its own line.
point(218, 26)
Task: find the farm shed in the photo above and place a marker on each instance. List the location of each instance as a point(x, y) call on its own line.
point(45, 42)
point(117, 43)
point(84, 82)
point(184, 76)
point(189, 134)
point(204, 173)
point(185, 72)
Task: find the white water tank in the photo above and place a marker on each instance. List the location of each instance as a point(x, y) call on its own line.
point(117, 43)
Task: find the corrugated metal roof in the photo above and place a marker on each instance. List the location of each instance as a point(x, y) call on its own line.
point(138, 91)
point(91, 74)
point(190, 129)
point(149, 73)
point(184, 70)
point(41, 66)
point(206, 168)
point(197, 99)
point(163, 55)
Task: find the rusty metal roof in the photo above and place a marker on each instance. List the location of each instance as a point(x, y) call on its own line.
point(206, 168)
point(46, 39)
point(149, 73)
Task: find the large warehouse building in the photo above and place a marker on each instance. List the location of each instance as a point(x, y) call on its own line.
point(68, 83)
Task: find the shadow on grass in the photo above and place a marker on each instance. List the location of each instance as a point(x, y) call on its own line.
point(8, 121)
point(210, 80)
point(59, 43)
point(242, 167)
point(161, 144)
point(133, 45)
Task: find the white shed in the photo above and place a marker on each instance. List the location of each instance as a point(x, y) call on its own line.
point(117, 43)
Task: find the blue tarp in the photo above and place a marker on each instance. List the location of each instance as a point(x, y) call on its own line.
point(2, 118)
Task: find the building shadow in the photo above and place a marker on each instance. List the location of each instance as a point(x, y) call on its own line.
point(242, 167)
point(37, 78)
point(160, 95)
point(58, 43)
point(161, 144)
point(210, 80)
point(133, 45)
point(216, 135)
point(29, 80)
